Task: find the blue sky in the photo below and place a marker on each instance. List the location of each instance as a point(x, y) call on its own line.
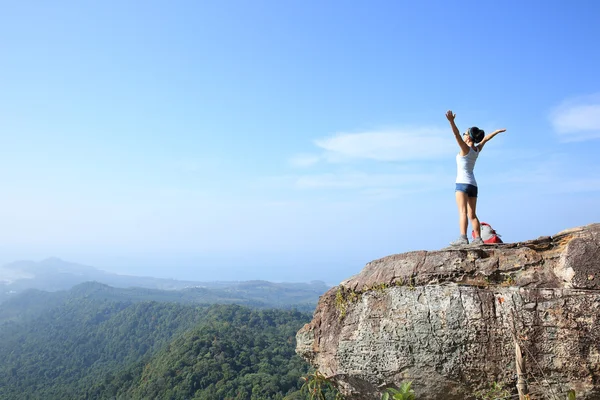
point(287, 140)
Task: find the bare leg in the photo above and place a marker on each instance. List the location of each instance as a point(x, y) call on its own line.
point(472, 207)
point(461, 202)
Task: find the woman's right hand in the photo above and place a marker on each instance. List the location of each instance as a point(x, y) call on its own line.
point(450, 115)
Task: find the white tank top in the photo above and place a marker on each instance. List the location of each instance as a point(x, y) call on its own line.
point(464, 166)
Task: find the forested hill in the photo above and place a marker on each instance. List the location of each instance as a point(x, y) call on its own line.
point(234, 354)
point(86, 347)
point(256, 294)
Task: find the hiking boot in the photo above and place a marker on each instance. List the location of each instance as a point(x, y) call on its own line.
point(461, 241)
point(477, 241)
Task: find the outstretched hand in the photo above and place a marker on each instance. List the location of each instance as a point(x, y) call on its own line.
point(501, 130)
point(450, 115)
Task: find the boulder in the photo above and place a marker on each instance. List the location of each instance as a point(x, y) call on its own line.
point(451, 321)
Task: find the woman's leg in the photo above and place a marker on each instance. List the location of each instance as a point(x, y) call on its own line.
point(461, 202)
point(471, 210)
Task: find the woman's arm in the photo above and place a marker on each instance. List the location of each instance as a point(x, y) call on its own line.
point(464, 148)
point(489, 137)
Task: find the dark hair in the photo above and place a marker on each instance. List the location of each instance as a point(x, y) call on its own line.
point(476, 134)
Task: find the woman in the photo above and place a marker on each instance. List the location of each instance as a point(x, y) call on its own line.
point(466, 185)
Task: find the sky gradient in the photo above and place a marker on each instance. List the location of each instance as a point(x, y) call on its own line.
point(288, 140)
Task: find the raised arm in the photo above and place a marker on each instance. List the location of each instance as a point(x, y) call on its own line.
point(489, 137)
point(464, 148)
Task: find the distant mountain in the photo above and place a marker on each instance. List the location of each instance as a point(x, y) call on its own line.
point(54, 274)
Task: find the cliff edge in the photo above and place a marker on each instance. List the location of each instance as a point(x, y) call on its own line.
point(451, 321)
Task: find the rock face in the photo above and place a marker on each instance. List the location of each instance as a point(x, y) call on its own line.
point(449, 321)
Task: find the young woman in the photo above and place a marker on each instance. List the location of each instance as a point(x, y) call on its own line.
point(471, 143)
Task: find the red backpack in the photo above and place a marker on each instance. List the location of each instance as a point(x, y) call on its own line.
point(488, 234)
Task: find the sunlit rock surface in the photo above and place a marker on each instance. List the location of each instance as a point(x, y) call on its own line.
point(448, 320)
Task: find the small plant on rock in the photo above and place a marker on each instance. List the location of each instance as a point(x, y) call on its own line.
point(571, 395)
point(379, 288)
point(318, 387)
point(404, 393)
point(495, 392)
point(343, 297)
point(509, 280)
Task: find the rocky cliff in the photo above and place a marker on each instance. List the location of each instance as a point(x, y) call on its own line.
point(451, 321)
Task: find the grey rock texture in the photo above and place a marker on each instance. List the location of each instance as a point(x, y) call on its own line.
point(448, 321)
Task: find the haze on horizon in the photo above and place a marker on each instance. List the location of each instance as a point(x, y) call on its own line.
point(287, 141)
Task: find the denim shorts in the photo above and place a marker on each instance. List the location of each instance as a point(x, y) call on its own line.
point(470, 190)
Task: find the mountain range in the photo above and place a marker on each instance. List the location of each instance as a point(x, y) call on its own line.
point(20, 280)
point(71, 331)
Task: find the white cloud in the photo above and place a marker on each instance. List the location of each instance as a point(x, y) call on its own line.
point(390, 145)
point(578, 119)
point(304, 160)
point(550, 173)
point(417, 147)
point(371, 181)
